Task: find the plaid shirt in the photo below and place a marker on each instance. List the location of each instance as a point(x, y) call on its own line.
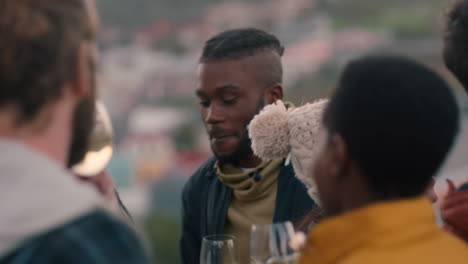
point(92, 238)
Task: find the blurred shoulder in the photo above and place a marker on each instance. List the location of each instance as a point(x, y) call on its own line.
point(96, 237)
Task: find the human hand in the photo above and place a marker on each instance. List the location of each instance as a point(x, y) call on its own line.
point(455, 211)
point(103, 182)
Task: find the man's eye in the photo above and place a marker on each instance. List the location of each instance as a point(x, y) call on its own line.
point(204, 103)
point(230, 101)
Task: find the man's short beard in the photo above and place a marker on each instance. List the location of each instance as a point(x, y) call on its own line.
point(243, 149)
point(245, 144)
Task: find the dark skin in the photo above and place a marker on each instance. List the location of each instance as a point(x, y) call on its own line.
point(341, 183)
point(339, 179)
point(230, 92)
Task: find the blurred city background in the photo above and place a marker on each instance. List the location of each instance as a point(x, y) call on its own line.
point(149, 53)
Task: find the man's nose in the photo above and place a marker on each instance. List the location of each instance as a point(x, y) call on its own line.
point(214, 115)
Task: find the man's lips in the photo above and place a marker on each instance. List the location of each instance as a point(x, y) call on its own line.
point(219, 136)
point(218, 133)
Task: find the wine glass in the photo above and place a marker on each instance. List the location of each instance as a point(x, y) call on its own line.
point(100, 146)
point(100, 149)
point(271, 244)
point(219, 249)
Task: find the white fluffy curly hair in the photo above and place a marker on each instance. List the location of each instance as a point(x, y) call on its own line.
point(279, 131)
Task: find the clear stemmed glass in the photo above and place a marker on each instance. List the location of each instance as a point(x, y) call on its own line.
point(100, 147)
point(270, 244)
point(219, 249)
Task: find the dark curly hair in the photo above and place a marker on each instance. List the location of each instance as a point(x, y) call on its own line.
point(399, 120)
point(247, 42)
point(239, 43)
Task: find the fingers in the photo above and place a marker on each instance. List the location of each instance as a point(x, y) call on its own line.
point(457, 216)
point(451, 187)
point(455, 199)
point(105, 184)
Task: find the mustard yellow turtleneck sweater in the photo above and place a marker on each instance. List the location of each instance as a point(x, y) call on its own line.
point(253, 201)
point(402, 231)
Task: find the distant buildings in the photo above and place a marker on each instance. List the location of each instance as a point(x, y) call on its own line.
point(140, 73)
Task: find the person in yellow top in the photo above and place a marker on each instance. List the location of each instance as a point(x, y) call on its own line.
point(387, 129)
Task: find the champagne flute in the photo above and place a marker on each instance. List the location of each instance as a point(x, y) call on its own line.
point(219, 249)
point(271, 244)
point(100, 146)
point(100, 149)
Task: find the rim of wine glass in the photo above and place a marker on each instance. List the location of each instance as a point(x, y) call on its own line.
point(104, 114)
point(209, 238)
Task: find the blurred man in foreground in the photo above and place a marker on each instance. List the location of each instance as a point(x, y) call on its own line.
point(389, 126)
point(455, 203)
point(47, 94)
point(240, 72)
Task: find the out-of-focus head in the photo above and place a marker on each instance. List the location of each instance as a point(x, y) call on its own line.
point(389, 126)
point(47, 56)
point(239, 72)
point(456, 40)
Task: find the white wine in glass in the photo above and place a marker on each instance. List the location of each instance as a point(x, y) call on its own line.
point(100, 146)
point(100, 149)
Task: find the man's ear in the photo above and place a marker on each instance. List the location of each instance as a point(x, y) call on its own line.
point(81, 85)
point(274, 93)
point(340, 155)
